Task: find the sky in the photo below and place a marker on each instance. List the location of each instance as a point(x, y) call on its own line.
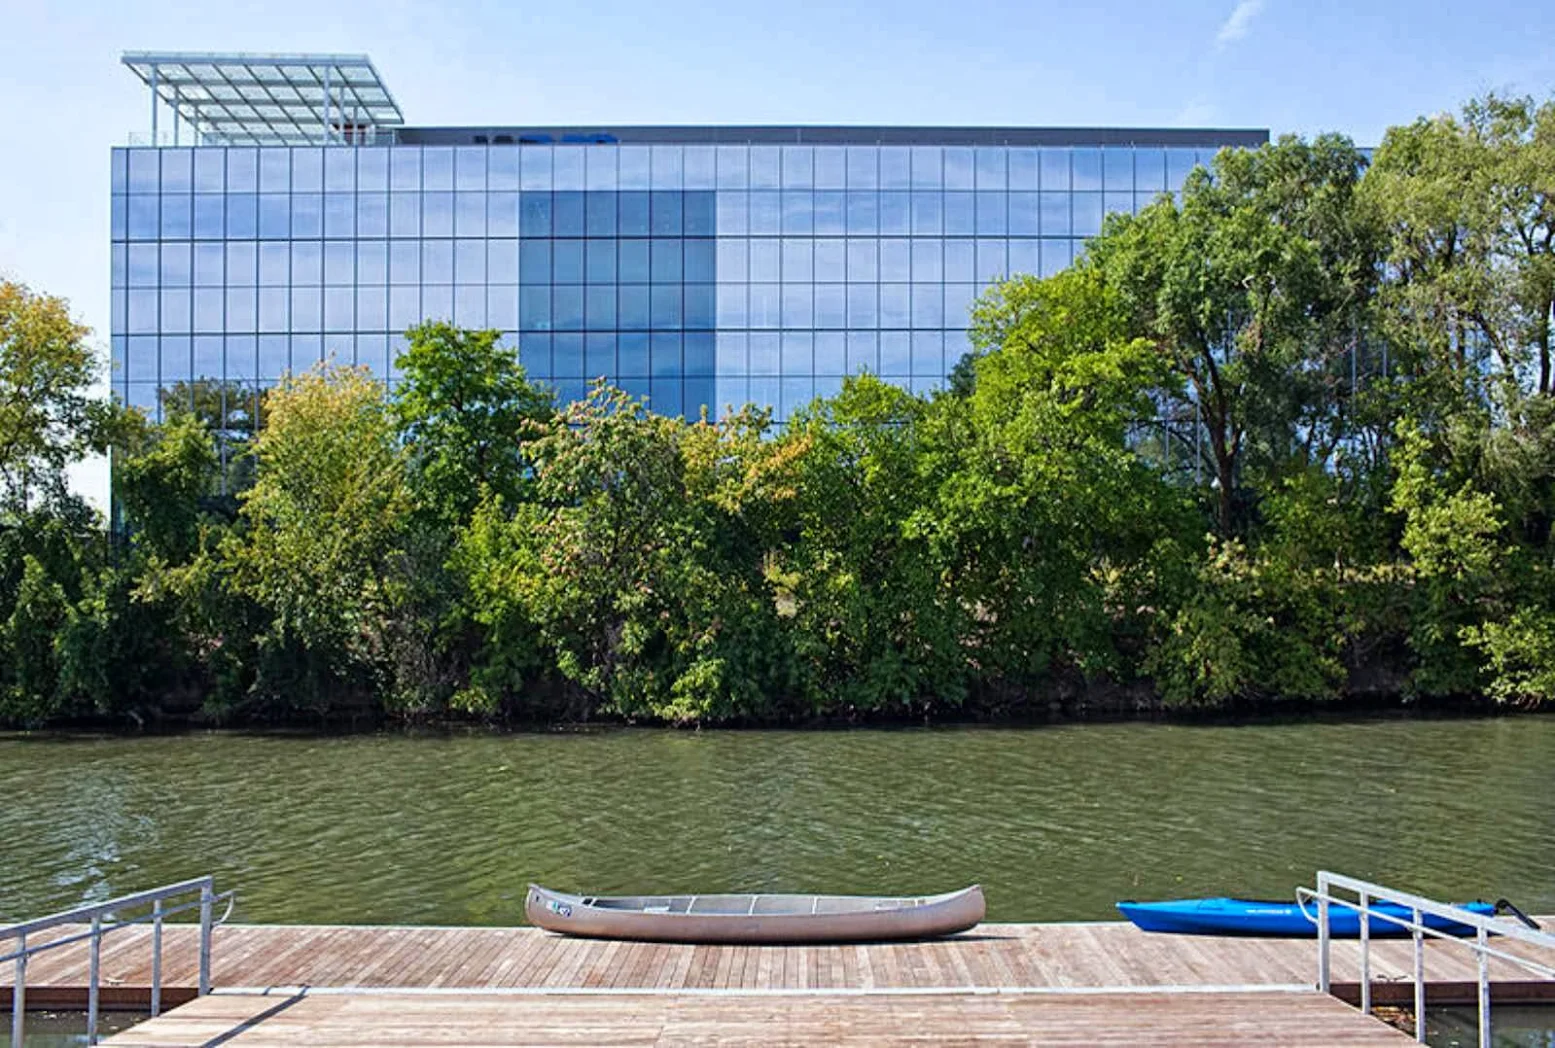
point(1305, 67)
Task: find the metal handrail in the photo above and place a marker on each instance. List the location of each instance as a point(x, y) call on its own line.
point(94, 915)
point(1419, 906)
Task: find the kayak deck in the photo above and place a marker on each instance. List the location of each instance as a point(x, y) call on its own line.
point(1281, 919)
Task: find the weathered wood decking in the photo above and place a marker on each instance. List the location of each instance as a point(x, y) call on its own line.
point(1091, 983)
point(1265, 1018)
point(1111, 955)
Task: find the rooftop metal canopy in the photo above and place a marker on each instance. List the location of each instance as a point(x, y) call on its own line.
point(268, 99)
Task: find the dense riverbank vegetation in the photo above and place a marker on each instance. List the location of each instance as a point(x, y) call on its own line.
point(1288, 437)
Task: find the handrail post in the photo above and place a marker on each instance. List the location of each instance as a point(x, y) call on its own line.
point(1482, 938)
point(19, 992)
point(1419, 936)
point(206, 898)
point(93, 976)
point(156, 958)
point(1363, 910)
point(1322, 933)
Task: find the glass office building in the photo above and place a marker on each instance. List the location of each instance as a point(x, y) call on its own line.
point(289, 215)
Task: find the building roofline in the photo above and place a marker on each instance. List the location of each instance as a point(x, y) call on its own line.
point(833, 134)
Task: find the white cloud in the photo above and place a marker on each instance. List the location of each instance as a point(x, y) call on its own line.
point(1235, 27)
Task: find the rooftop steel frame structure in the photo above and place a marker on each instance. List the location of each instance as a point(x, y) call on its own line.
point(267, 99)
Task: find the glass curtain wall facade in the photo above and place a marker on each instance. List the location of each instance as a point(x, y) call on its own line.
point(695, 273)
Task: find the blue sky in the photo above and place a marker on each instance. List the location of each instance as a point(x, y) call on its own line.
point(1305, 67)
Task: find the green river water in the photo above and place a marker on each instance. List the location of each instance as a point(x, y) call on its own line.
point(1057, 823)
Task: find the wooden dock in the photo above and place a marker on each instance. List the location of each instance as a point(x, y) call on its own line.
point(349, 1020)
point(1108, 978)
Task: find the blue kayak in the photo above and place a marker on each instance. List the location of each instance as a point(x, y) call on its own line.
point(1260, 917)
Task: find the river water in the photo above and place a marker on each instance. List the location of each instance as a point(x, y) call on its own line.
point(1057, 823)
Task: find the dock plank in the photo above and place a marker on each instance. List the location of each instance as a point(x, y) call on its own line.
point(1289, 1020)
point(994, 956)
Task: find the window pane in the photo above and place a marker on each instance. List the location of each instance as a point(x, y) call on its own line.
point(766, 264)
point(339, 170)
point(700, 267)
point(208, 265)
point(567, 217)
point(765, 167)
point(437, 168)
point(863, 167)
point(991, 217)
point(960, 214)
point(634, 262)
point(1118, 168)
point(307, 215)
point(831, 260)
point(927, 171)
point(1087, 169)
point(176, 216)
point(991, 168)
point(502, 214)
point(698, 167)
point(863, 212)
point(1055, 214)
point(437, 214)
point(664, 307)
point(1150, 170)
point(470, 214)
point(1087, 214)
point(698, 308)
point(863, 301)
point(600, 262)
point(404, 215)
point(600, 209)
point(275, 171)
point(502, 168)
point(470, 261)
point(372, 168)
point(928, 213)
point(958, 168)
point(567, 261)
point(666, 214)
point(928, 260)
point(307, 262)
point(732, 164)
point(210, 216)
point(1023, 218)
point(798, 260)
point(634, 167)
point(437, 262)
point(895, 261)
point(798, 167)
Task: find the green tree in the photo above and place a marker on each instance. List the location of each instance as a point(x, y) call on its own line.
point(1254, 288)
point(1058, 529)
point(1468, 202)
point(162, 475)
point(48, 418)
point(872, 606)
point(463, 407)
point(632, 571)
point(321, 534)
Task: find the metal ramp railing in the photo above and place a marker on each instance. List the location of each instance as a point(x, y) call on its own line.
point(102, 919)
point(1362, 897)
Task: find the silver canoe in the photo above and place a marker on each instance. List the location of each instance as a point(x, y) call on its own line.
point(754, 918)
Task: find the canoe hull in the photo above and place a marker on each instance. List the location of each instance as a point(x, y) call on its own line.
point(850, 918)
point(1278, 919)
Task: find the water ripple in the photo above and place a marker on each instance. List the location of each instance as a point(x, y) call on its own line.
point(1057, 823)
